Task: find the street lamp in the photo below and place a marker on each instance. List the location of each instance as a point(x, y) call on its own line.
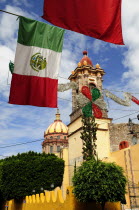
point(52, 185)
point(130, 124)
point(33, 191)
point(41, 188)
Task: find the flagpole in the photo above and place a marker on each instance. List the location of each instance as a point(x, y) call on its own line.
point(9, 13)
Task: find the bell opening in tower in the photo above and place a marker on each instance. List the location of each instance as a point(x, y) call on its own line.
point(92, 85)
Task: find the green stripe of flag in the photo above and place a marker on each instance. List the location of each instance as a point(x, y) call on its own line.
point(35, 33)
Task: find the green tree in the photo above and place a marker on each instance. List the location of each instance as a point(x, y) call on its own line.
point(99, 181)
point(1, 196)
point(29, 173)
point(88, 135)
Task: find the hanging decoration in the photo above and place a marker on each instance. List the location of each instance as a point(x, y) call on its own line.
point(97, 111)
point(87, 110)
point(81, 100)
point(67, 86)
point(125, 102)
point(135, 100)
point(11, 67)
point(86, 92)
point(127, 98)
point(95, 93)
point(101, 103)
point(90, 106)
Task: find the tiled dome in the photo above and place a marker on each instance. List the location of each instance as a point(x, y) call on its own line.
point(57, 126)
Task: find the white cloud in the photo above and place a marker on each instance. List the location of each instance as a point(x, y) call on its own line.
point(6, 55)
point(130, 20)
point(98, 46)
point(9, 25)
point(22, 2)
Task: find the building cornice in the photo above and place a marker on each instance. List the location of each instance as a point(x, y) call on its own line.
point(81, 128)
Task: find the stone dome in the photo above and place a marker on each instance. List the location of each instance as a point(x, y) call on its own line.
point(85, 60)
point(57, 126)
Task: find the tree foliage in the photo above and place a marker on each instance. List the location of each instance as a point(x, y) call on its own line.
point(99, 181)
point(88, 135)
point(28, 173)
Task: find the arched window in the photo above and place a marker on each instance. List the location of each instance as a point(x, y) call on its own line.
point(58, 148)
point(77, 91)
point(123, 145)
point(91, 86)
point(51, 149)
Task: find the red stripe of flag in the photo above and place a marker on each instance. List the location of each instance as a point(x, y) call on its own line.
point(33, 90)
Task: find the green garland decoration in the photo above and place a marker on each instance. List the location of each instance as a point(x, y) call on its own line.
point(95, 94)
point(87, 110)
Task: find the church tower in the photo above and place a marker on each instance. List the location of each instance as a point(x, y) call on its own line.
point(85, 75)
point(55, 136)
point(91, 76)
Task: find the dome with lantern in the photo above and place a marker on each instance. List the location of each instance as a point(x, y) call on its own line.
point(55, 136)
point(57, 126)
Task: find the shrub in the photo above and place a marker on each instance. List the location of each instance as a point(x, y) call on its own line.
point(99, 181)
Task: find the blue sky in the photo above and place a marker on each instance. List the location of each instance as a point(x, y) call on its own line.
point(20, 124)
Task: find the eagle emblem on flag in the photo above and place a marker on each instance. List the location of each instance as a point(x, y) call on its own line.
point(37, 62)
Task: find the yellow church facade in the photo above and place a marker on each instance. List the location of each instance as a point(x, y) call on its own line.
point(86, 74)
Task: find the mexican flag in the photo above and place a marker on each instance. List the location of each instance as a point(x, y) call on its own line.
point(37, 60)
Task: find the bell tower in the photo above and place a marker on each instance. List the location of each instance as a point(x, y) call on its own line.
point(88, 75)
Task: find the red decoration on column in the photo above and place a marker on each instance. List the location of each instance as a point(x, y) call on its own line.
point(86, 91)
point(96, 94)
point(97, 111)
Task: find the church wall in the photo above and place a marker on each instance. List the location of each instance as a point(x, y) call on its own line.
point(75, 142)
point(128, 159)
point(75, 149)
point(120, 132)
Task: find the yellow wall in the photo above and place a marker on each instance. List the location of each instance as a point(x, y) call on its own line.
point(54, 201)
point(128, 157)
point(103, 138)
point(65, 183)
point(75, 142)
